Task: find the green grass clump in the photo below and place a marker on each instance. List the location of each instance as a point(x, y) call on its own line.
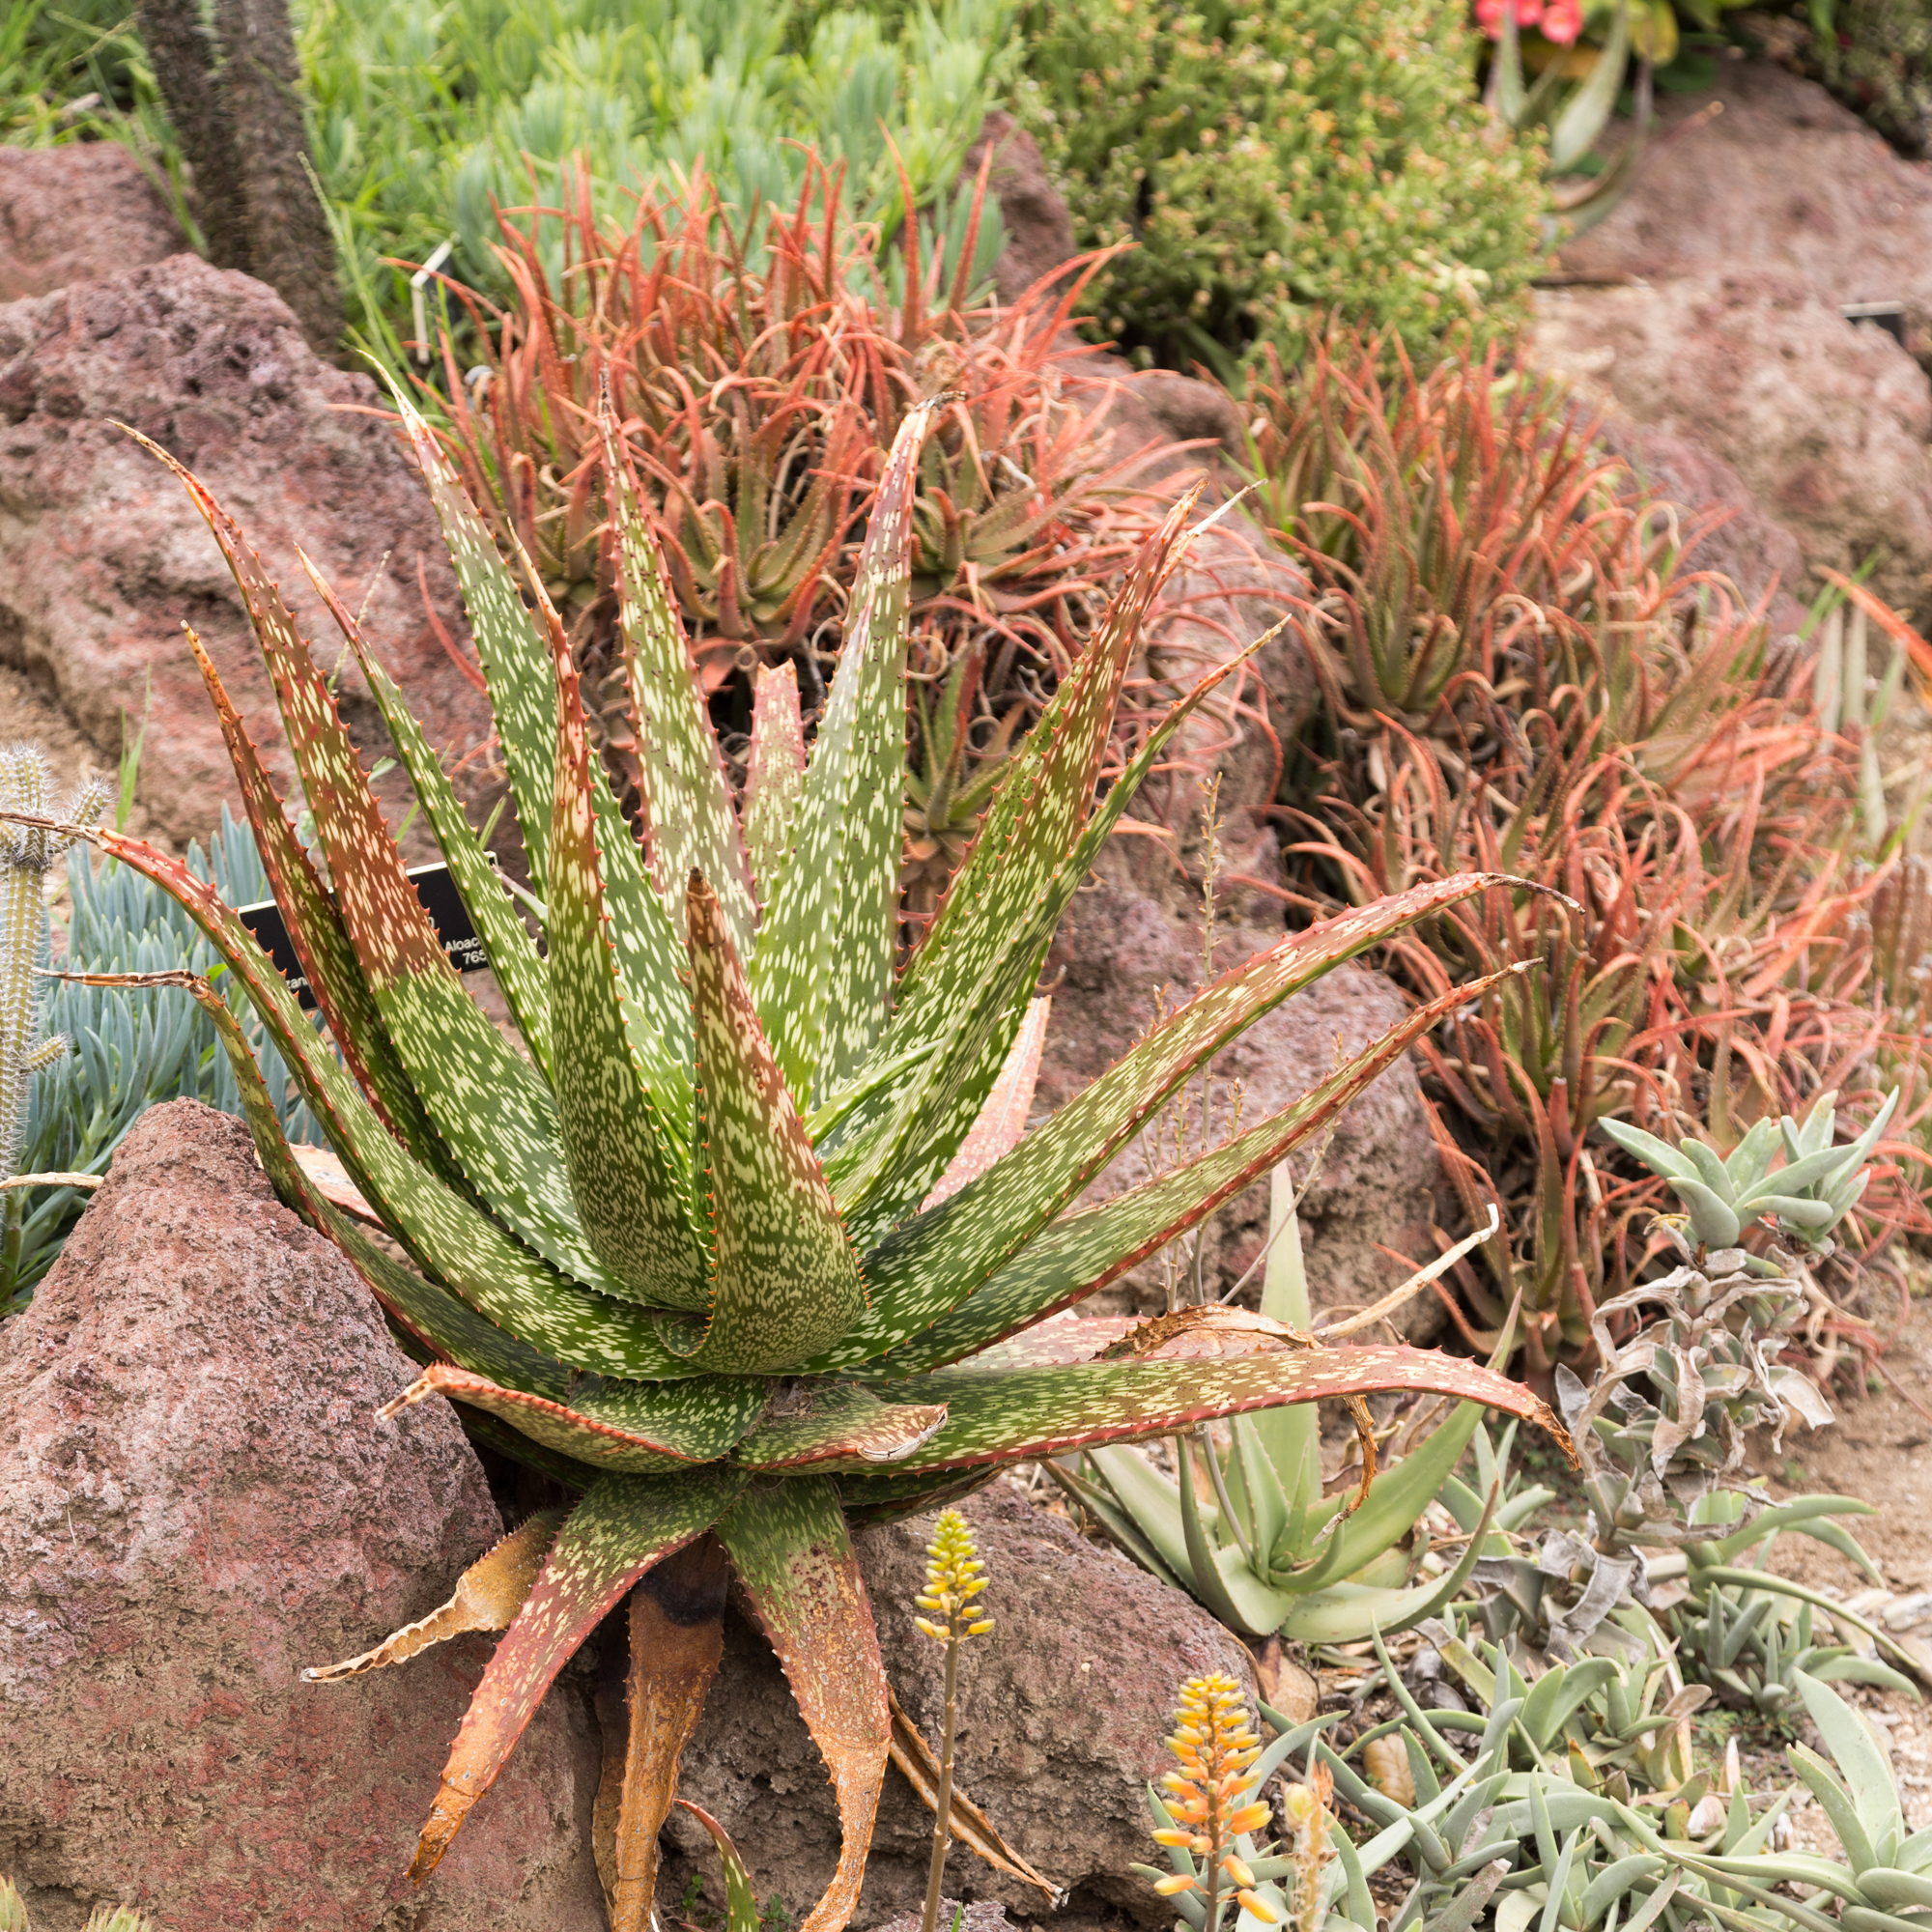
point(1278, 162)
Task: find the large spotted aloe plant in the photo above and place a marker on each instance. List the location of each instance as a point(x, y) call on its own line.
point(740, 1245)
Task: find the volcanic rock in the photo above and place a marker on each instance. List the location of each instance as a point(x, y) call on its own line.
point(103, 556)
point(196, 1501)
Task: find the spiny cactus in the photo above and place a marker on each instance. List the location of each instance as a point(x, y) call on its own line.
point(28, 854)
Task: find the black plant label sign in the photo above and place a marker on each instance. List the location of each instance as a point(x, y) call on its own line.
point(435, 888)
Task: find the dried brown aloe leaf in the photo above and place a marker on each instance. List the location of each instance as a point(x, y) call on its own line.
point(969, 1825)
point(676, 1639)
point(488, 1594)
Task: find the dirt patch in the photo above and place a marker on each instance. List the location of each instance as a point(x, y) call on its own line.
point(31, 714)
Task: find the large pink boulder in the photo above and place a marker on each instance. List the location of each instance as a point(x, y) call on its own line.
point(195, 1502)
point(1706, 308)
point(102, 556)
point(77, 213)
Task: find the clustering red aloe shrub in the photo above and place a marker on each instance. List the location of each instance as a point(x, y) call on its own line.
point(759, 367)
point(1519, 667)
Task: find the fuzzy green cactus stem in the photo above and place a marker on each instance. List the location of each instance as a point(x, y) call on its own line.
point(28, 853)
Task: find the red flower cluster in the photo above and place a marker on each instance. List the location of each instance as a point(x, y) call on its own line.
point(1558, 20)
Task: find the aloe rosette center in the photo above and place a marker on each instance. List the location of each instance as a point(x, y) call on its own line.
point(742, 1246)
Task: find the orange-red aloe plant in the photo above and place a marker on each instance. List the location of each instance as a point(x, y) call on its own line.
point(1517, 669)
point(753, 408)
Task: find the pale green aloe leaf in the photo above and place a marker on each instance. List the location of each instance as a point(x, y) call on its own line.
point(1029, 1413)
point(785, 1283)
point(1291, 1438)
point(510, 642)
point(893, 1147)
point(513, 957)
point(822, 971)
point(1101, 1504)
point(1862, 1761)
point(826, 1424)
point(1347, 1612)
point(1253, 1487)
point(491, 1108)
point(1149, 1499)
point(621, 1528)
point(1398, 1496)
point(793, 1555)
point(314, 923)
point(913, 1324)
point(1222, 1582)
point(1837, 1806)
point(687, 802)
point(774, 776)
point(627, 1172)
point(1396, 1501)
point(442, 1232)
point(1588, 110)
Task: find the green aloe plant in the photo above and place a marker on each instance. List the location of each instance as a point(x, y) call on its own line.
point(680, 1255)
point(1273, 1553)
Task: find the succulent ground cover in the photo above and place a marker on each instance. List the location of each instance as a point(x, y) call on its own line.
point(423, 122)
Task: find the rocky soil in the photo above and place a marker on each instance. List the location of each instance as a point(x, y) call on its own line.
point(1704, 313)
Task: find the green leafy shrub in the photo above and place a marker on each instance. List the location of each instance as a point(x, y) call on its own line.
point(1278, 160)
point(1879, 58)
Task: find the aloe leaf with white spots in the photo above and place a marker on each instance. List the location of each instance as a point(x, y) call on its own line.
point(695, 1258)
